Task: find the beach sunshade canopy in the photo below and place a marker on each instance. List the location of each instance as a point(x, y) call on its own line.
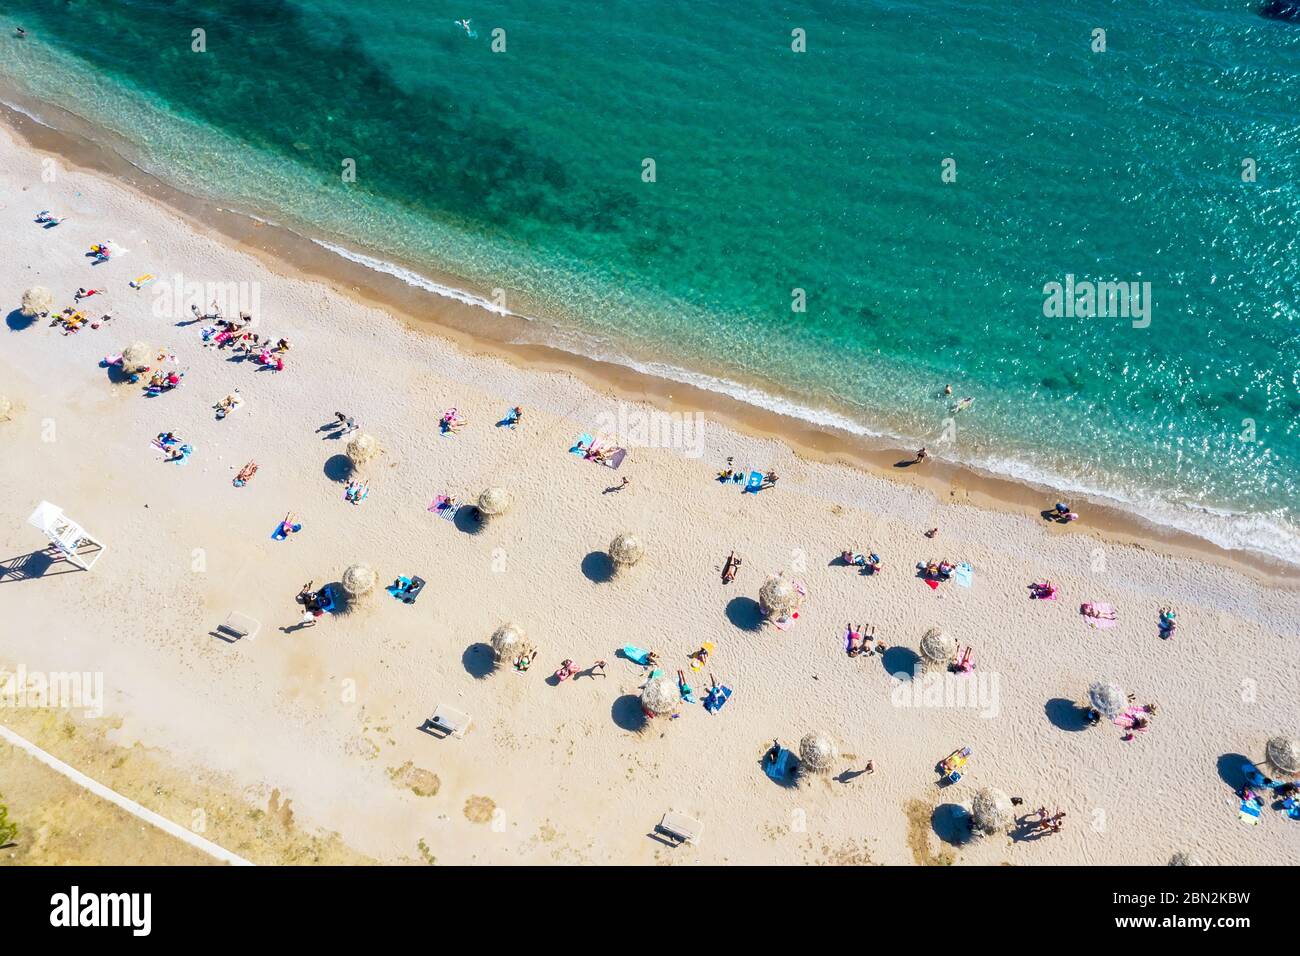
point(991, 811)
point(1283, 755)
point(1184, 858)
point(1107, 698)
point(626, 550)
point(37, 300)
point(359, 580)
point(494, 501)
point(938, 646)
point(778, 596)
point(362, 448)
point(660, 696)
point(136, 357)
point(817, 752)
point(507, 640)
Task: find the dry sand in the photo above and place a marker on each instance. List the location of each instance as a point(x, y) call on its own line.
point(328, 717)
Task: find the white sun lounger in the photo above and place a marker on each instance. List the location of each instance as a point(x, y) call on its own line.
point(680, 827)
point(239, 625)
point(450, 720)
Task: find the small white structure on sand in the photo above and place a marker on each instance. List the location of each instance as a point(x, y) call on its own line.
point(70, 538)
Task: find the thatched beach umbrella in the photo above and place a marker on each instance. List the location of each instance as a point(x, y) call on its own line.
point(359, 580)
point(1184, 858)
point(1283, 755)
point(494, 501)
point(507, 640)
point(626, 550)
point(991, 811)
point(362, 448)
point(136, 357)
point(37, 301)
point(818, 753)
point(660, 696)
point(938, 647)
point(778, 597)
point(1107, 698)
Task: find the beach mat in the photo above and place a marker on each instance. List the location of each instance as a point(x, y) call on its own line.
point(779, 769)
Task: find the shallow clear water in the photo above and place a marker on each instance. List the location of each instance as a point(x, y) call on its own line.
point(777, 171)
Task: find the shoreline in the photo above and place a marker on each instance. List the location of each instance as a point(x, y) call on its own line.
point(479, 331)
point(328, 718)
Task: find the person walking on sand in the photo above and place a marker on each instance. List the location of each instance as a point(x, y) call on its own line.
point(598, 666)
point(921, 456)
point(870, 767)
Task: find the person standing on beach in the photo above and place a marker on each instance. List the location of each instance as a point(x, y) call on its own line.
point(921, 456)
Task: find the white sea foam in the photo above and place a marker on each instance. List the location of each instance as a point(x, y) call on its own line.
point(1268, 534)
point(28, 113)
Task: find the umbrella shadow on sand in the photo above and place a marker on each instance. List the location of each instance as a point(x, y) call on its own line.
point(597, 567)
point(627, 713)
point(468, 519)
point(745, 613)
point(1065, 714)
point(900, 660)
point(951, 823)
point(338, 468)
point(1229, 767)
point(17, 322)
point(478, 660)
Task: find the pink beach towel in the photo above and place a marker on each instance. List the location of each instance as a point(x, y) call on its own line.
point(1090, 614)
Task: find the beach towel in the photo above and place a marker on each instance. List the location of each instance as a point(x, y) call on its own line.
point(636, 655)
point(754, 483)
point(1257, 779)
point(963, 574)
point(1249, 813)
point(139, 282)
point(1292, 808)
point(778, 769)
point(785, 623)
point(697, 662)
point(510, 421)
point(688, 694)
point(934, 585)
point(279, 535)
point(716, 698)
point(440, 507)
point(582, 445)
point(1101, 623)
point(614, 460)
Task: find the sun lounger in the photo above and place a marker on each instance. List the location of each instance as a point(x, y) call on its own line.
point(238, 625)
point(450, 721)
point(680, 827)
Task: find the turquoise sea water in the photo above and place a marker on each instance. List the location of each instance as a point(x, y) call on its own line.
point(776, 171)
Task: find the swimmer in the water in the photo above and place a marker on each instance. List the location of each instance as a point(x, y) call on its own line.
point(20, 33)
point(464, 24)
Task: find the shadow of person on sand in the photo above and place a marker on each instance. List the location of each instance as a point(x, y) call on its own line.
point(1066, 715)
point(478, 660)
point(745, 613)
point(627, 713)
point(597, 567)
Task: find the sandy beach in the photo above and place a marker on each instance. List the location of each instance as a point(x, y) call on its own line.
point(329, 717)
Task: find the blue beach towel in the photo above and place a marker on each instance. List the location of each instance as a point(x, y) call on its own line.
point(716, 698)
point(779, 768)
point(964, 574)
point(636, 655)
point(279, 535)
point(582, 445)
point(755, 481)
